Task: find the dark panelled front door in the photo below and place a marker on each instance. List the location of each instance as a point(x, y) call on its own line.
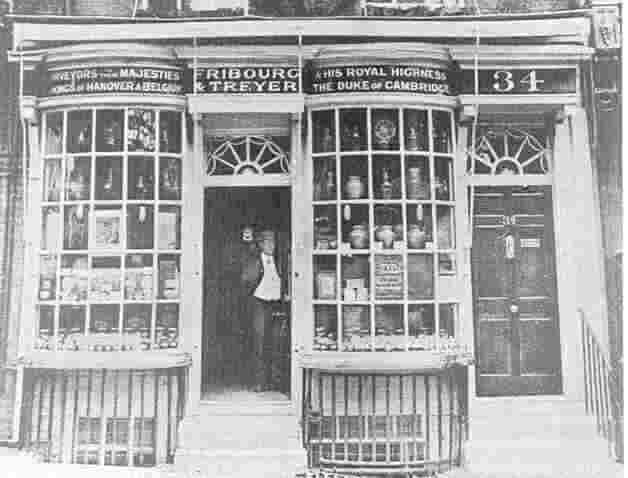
point(514, 292)
point(228, 362)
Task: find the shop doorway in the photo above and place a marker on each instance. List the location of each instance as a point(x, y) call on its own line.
point(514, 292)
point(228, 337)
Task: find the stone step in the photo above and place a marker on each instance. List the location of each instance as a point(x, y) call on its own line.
point(260, 463)
point(531, 438)
point(238, 440)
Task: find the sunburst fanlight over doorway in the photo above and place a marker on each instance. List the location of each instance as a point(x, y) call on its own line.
point(508, 151)
point(244, 155)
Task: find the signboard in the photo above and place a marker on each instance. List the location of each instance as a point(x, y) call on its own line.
point(388, 277)
point(379, 78)
point(520, 81)
point(115, 79)
point(247, 79)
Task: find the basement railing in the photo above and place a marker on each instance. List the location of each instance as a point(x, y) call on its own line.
point(103, 416)
point(603, 391)
point(384, 424)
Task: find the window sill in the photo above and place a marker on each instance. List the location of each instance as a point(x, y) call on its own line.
point(136, 360)
point(382, 362)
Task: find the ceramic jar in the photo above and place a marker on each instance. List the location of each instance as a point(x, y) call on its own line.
point(386, 235)
point(354, 188)
point(416, 237)
point(359, 237)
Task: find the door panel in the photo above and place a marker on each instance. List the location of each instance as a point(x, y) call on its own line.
point(516, 321)
point(494, 347)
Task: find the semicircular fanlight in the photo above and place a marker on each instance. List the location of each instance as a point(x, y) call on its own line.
point(508, 151)
point(246, 155)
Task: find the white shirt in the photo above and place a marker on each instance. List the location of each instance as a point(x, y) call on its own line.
point(269, 287)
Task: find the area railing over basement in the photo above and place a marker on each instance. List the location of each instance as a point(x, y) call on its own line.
point(103, 416)
point(384, 424)
point(603, 390)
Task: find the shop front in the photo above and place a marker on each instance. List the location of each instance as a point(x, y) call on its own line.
point(419, 196)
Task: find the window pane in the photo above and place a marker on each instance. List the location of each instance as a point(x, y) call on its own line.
point(108, 178)
point(169, 179)
point(324, 139)
point(445, 227)
point(354, 170)
point(137, 322)
point(389, 280)
point(388, 227)
point(389, 328)
point(46, 326)
point(109, 128)
point(140, 226)
point(442, 131)
point(385, 129)
point(325, 278)
point(79, 131)
point(387, 177)
point(51, 225)
point(170, 132)
point(76, 226)
point(415, 130)
point(353, 129)
point(48, 277)
point(355, 226)
point(54, 133)
point(105, 318)
point(51, 190)
point(169, 228)
point(167, 325)
point(71, 319)
point(74, 274)
point(107, 228)
point(447, 319)
point(356, 328)
point(141, 130)
point(325, 327)
point(421, 327)
point(420, 276)
point(106, 278)
point(356, 278)
point(138, 283)
point(141, 178)
point(417, 178)
point(419, 219)
point(77, 178)
point(443, 181)
point(325, 227)
point(325, 179)
point(169, 276)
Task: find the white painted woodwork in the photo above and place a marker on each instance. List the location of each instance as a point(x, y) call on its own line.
point(568, 30)
point(578, 248)
point(246, 103)
point(193, 210)
point(32, 235)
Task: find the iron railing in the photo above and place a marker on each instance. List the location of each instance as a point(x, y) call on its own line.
point(393, 425)
point(603, 390)
point(103, 416)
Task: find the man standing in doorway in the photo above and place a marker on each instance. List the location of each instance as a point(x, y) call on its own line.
point(265, 283)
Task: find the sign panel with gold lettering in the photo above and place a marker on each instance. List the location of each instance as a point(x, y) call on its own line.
point(115, 79)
